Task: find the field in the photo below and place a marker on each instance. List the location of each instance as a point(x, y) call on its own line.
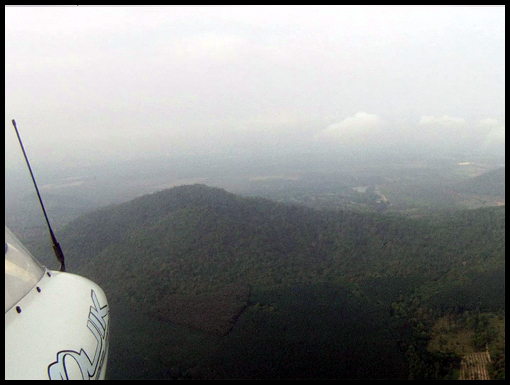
point(474, 366)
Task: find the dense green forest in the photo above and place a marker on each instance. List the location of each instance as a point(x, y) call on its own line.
point(311, 294)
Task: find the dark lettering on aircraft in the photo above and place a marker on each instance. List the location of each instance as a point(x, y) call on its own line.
point(66, 359)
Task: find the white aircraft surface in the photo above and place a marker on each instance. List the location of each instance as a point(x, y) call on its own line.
point(56, 323)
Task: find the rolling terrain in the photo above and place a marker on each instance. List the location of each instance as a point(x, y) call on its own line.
point(327, 289)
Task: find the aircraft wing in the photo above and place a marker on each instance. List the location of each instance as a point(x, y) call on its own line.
point(56, 324)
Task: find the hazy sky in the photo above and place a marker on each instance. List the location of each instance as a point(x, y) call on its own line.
point(101, 83)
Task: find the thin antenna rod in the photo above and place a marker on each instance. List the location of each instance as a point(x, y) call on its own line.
point(56, 246)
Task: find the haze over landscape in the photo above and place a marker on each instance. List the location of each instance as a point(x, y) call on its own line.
point(269, 166)
point(97, 84)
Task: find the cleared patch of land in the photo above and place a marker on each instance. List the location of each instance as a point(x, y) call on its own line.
point(474, 366)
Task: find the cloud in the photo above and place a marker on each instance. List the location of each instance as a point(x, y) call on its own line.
point(363, 135)
point(445, 121)
point(456, 135)
point(444, 134)
point(488, 122)
point(493, 142)
point(355, 129)
point(496, 135)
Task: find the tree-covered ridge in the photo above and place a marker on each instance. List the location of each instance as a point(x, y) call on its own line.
point(196, 237)
point(191, 241)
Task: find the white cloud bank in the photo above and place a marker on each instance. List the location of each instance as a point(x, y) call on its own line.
point(353, 130)
point(445, 121)
point(493, 141)
point(433, 135)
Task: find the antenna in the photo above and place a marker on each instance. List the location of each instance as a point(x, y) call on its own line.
point(56, 246)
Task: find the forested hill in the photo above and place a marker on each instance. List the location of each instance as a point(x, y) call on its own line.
point(197, 257)
point(192, 239)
